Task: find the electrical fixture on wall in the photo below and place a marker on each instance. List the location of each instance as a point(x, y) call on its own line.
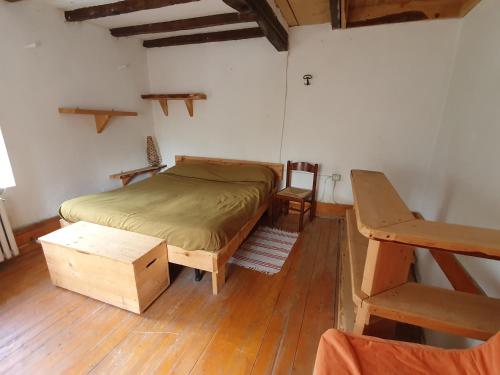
point(334, 178)
point(307, 79)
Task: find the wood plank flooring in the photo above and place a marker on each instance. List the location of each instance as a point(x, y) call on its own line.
point(258, 324)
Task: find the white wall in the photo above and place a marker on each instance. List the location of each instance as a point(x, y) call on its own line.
point(464, 178)
point(243, 116)
point(55, 157)
point(375, 102)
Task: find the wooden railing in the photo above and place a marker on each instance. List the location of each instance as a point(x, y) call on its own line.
point(382, 234)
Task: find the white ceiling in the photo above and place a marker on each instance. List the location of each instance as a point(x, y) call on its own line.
point(169, 13)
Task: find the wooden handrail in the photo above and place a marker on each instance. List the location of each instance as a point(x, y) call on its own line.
point(376, 202)
point(455, 238)
point(381, 236)
point(383, 216)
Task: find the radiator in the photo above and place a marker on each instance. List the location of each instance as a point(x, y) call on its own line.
point(8, 246)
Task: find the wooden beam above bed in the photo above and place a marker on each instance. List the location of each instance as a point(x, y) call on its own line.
point(185, 24)
point(116, 8)
point(219, 36)
point(266, 18)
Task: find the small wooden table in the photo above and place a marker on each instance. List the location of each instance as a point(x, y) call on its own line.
point(125, 269)
point(127, 176)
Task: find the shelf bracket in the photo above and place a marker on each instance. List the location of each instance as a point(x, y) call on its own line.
point(101, 121)
point(164, 106)
point(189, 106)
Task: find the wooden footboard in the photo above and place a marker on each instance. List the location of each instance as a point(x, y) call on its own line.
point(215, 262)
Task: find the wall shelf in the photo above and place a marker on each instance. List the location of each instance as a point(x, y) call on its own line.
point(102, 117)
point(164, 98)
point(127, 176)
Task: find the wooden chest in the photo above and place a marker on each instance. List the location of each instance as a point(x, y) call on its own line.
point(125, 269)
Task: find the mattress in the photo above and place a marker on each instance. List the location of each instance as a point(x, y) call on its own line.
point(192, 206)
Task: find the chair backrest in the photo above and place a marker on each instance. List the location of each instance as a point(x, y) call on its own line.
point(302, 167)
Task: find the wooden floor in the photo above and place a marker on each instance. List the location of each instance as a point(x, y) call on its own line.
point(259, 324)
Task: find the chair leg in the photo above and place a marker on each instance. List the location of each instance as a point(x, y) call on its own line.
point(271, 212)
point(301, 218)
point(277, 211)
point(312, 210)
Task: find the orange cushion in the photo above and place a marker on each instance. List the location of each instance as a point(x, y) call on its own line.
point(340, 353)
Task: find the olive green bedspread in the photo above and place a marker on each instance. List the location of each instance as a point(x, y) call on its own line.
point(196, 207)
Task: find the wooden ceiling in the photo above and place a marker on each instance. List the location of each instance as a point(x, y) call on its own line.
point(162, 23)
point(355, 13)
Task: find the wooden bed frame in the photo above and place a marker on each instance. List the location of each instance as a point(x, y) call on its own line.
point(216, 262)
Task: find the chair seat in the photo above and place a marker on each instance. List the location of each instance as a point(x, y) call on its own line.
point(297, 193)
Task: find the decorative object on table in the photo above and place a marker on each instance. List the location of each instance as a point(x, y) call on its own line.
point(152, 153)
point(127, 176)
point(266, 250)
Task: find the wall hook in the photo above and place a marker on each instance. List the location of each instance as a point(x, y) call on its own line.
point(307, 78)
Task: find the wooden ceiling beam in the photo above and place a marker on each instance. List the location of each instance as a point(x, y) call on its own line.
point(391, 18)
point(344, 13)
point(335, 12)
point(287, 12)
point(120, 7)
point(185, 24)
point(219, 36)
point(241, 6)
point(266, 18)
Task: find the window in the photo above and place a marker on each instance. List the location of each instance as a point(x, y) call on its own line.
point(6, 176)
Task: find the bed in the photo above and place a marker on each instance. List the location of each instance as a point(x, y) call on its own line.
point(203, 207)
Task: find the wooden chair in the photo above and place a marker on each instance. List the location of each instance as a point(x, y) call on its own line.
point(298, 195)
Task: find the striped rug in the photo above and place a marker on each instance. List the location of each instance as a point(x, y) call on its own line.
point(265, 250)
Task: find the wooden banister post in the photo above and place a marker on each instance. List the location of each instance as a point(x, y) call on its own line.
point(387, 266)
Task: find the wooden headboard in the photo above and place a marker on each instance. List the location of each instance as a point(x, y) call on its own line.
point(277, 168)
